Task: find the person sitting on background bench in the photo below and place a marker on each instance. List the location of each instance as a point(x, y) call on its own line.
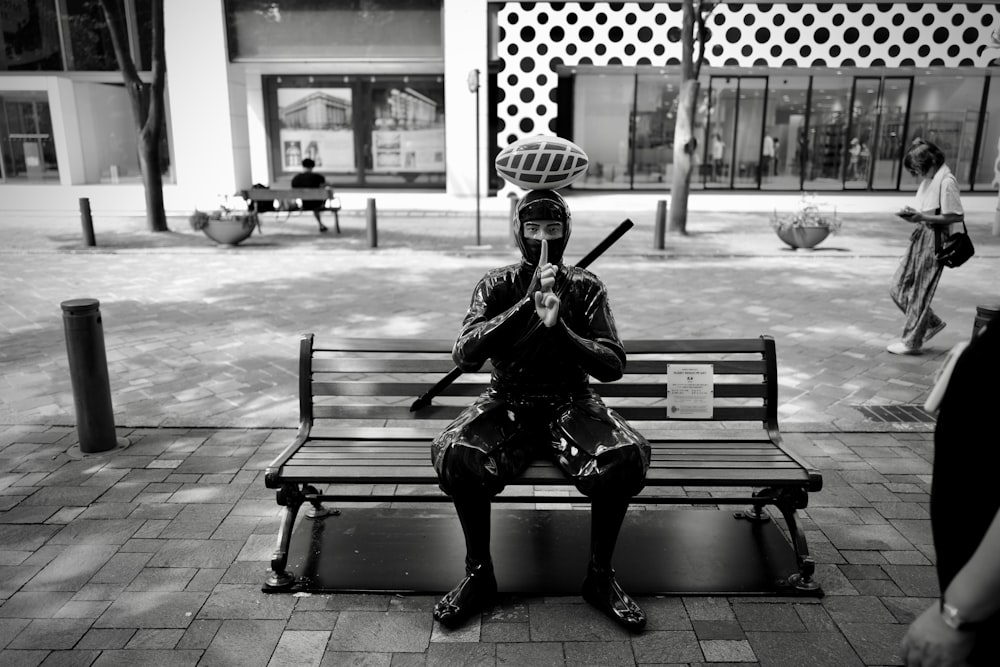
point(545, 327)
point(311, 179)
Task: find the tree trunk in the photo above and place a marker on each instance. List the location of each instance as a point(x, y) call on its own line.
point(147, 101)
point(684, 145)
point(684, 150)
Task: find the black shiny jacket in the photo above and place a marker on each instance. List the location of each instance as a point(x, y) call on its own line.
point(501, 326)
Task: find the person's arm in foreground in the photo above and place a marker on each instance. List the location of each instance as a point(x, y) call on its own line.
point(975, 591)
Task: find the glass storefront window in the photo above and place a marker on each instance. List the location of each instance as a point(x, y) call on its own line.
point(386, 30)
point(108, 135)
point(826, 143)
point(754, 143)
point(721, 129)
point(988, 173)
point(655, 114)
point(90, 45)
point(601, 114)
point(945, 111)
point(786, 119)
point(358, 130)
point(26, 142)
point(31, 38)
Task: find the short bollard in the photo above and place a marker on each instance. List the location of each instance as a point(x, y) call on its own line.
point(88, 222)
point(371, 224)
point(88, 369)
point(661, 225)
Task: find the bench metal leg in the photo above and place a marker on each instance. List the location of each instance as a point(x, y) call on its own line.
point(336, 220)
point(787, 500)
point(291, 498)
point(316, 509)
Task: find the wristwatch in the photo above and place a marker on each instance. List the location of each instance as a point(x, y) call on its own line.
point(953, 618)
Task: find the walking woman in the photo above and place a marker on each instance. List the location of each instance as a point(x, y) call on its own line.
point(937, 205)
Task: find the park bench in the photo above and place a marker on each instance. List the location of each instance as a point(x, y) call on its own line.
point(290, 200)
point(358, 434)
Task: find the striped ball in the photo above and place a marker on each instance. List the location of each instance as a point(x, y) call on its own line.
point(542, 163)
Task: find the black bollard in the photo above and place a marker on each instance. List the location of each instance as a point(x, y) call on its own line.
point(88, 222)
point(371, 224)
point(88, 369)
point(661, 225)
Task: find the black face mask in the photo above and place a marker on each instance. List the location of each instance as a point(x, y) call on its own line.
point(531, 249)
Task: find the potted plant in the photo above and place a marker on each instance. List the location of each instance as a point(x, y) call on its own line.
point(225, 225)
point(806, 226)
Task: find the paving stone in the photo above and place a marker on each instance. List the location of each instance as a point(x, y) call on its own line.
point(709, 609)
point(29, 514)
point(206, 579)
point(252, 641)
point(12, 578)
point(569, 623)
point(300, 647)
point(875, 644)
point(152, 609)
point(196, 553)
point(816, 649)
point(876, 538)
point(58, 496)
point(50, 634)
point(34, 605)
point(311, 620)
point(877, 587)
point(535, 654)
point(201, 465)
point(199, 634)
point(99, 592)
point(815, 618)
point(155, 639)
point(467, 655)
point(599, 654)
point(375, 631)
point(89, 609)
point(356, 659)
point(496, 633)
point(102, 639)
point(913, 580)
point(22, 658)
point(469, 632)
point(706, 630)
point(767, 616)
point(665, 613)
point(727, 650)
point(906, 610)
point(161, 578)
point(10, 628)
point(667, 646)
point(74, 658)
point(196, 521)
point(230, 601)
point(97, 531)
point(857, 609)
point(160, 658)
point(72, 568)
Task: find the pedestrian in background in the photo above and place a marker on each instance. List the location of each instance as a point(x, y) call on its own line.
point(963, 626)
point(936, 206)
point(312, 179)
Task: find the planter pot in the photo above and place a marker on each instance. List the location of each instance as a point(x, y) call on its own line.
point(230, 231)
point(803, 237)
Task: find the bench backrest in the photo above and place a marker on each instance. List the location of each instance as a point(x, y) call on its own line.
point(270, 194)
point(375, 381)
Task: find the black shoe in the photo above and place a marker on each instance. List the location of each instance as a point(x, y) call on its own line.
point(602, 591)
point(472, 595)
point(323, 228)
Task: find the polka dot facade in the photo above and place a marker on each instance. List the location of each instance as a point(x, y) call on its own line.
point(536, 37)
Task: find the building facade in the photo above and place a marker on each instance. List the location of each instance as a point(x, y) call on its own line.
point(414, 94)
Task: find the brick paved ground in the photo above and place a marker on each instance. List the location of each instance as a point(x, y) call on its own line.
point(154, 554)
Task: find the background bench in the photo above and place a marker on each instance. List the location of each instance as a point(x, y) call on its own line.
point(358, 435)
point(263, 200)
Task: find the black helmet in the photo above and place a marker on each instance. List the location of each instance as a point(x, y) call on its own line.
point(541, 205)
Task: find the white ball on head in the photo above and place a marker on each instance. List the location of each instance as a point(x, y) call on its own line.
point(542, 163)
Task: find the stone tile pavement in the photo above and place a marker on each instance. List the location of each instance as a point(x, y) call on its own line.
point(154, 553)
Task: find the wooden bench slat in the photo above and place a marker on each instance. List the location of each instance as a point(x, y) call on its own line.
point(398, 365)
point(329, 430)
point(402, 412)
point(613, 390)
point(632, 346)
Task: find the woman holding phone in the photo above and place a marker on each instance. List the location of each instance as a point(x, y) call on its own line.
point(936, 206)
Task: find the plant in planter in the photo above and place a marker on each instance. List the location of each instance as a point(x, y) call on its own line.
point(806, 226)
point(224, 225)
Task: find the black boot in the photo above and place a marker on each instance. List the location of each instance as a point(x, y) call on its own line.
point(474, 593)
point(479, 587)
point(602, 591)
point(600, 588)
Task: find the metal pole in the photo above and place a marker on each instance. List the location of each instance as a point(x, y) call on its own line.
point(661, 225)
point(88, 222)
point(478, 242)
point(370, 223)
point(88, 369)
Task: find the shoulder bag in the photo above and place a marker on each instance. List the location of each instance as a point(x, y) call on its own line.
point(956, 248)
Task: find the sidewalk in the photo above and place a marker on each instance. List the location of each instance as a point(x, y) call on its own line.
point(154, 553)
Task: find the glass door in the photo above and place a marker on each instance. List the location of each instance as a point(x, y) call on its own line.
point(655, 115)
point(723, 96)
point(26, 141)
point(754, 143)
point(887, 151)
point(862, 132)
point(602, 127)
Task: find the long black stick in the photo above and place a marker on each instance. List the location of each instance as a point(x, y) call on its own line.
point(588, 259)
